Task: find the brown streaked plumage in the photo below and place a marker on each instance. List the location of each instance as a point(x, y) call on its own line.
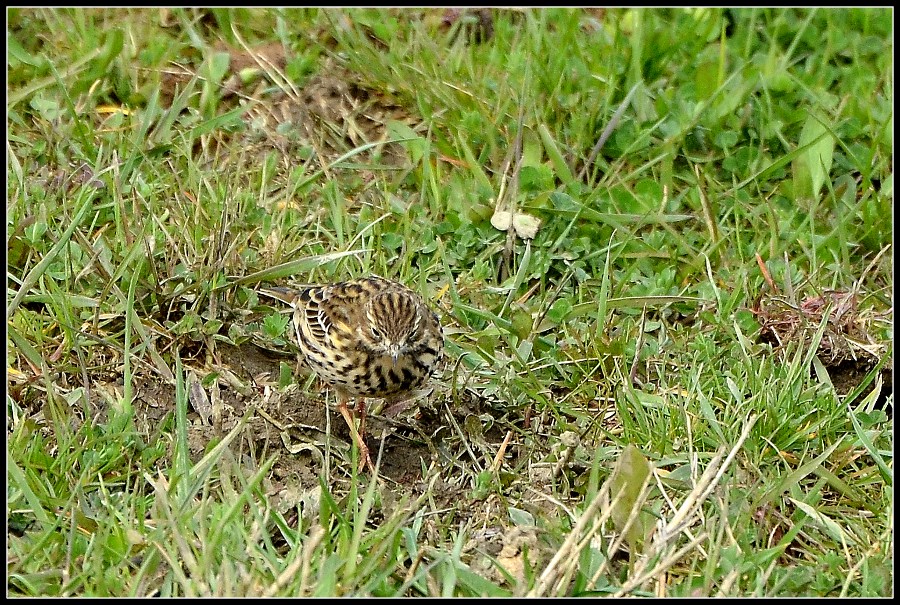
point(368, 337)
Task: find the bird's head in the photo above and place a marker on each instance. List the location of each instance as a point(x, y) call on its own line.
point(391, 324)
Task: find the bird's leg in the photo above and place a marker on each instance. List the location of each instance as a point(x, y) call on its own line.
point(360, 411)
point(364, 449)
point(364, 459)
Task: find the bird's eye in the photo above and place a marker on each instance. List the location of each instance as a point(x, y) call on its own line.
point(376, 333)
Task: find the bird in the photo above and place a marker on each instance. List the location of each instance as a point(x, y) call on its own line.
point(367, 338)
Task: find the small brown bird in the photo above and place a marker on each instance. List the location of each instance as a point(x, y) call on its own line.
point(368, 337)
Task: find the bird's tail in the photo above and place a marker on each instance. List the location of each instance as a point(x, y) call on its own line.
point(285, 295)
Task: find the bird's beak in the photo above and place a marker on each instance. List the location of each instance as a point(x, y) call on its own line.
point(394, 351)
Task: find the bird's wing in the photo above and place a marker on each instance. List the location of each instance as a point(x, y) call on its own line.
point(310, 320)
point(323, 316)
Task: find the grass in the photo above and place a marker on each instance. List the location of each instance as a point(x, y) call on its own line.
point(657, 239)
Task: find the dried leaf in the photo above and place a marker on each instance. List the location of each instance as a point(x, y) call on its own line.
point(198, 398)
point(525, 225)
